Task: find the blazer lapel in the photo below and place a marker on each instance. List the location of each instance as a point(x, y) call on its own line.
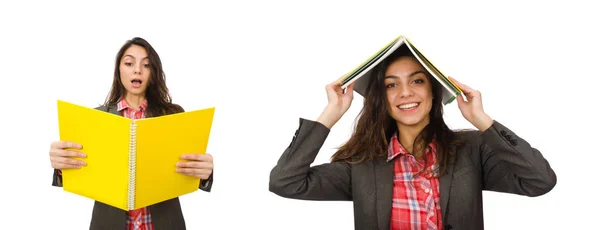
point(113, 110)
point(445, 182)
point(384, 184)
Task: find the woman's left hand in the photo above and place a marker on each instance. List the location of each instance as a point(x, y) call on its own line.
point(472, 109)
point(198, 165)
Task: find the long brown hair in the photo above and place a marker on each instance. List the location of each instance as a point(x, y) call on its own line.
point(157, 93)
point(375, 126)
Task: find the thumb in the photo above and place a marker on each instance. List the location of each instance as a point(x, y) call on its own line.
point(461, 101)
point(350, 87)
point(349, 90)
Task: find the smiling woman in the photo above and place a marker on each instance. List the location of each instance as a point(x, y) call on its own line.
point(403, 168)
point(138, 91)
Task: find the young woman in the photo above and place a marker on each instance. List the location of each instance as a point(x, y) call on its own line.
point(403, 167)
point(138, 91)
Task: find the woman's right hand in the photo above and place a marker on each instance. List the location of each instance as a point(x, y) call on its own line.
point(60, 158)
point(339, 100)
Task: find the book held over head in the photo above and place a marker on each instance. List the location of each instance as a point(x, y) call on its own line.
point(363, 72)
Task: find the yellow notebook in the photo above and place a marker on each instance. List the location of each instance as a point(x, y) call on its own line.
point(363, 72)
point(131, 164)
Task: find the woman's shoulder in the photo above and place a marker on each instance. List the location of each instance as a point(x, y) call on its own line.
point(104, 107)
point(466, 137)
point(466, 134)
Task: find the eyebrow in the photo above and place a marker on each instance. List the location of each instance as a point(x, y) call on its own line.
point(129, 55)
point(410, 75)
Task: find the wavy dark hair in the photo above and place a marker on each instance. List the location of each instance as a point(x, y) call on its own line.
point(157, 93)
point(375, 126)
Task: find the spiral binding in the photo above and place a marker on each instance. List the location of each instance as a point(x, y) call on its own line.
point(132, 152)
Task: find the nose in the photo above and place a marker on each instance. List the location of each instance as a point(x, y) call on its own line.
point(405, 91)
point(137, 69)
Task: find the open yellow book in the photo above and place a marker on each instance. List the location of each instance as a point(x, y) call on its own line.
point(131, 164)
point(363, 72)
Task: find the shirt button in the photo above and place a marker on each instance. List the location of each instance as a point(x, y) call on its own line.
point(427, 190)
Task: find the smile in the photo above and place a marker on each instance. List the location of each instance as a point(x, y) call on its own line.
point(408, 106)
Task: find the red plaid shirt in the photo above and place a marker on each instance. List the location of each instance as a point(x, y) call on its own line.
point(416, 199)
point(138, 219)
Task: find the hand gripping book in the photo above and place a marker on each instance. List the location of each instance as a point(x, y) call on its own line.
point(131, 163)
point(363, 72)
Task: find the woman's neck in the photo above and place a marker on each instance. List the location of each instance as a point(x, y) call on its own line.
point(134, 101)
point(407, 136)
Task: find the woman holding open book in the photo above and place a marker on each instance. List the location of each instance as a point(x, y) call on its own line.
point(403, 167)
point(138, 91)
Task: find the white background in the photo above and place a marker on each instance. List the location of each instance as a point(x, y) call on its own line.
point(265, 64)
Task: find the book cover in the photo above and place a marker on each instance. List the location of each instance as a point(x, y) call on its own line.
point(131, 163)
point(364, 71)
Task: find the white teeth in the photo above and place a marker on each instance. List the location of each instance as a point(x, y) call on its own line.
point(408, 106)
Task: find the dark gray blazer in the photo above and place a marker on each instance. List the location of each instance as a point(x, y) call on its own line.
point(495, 160)
point(165, 215)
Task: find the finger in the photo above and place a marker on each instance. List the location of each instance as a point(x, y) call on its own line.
point(65, 166)
point(458, 83)
point(337, 81)
point(461, 100)
point(57, 164)
point(337, 86)
point(195, 164)
point(472, 95)
point(202, 175)
point(467, 98)
point(66, 160)
point(198, 157)
point(192, 170)
point(333, 85)
point(463, 87)
point(71, 153)
point(66, 153)
point(192, 173)
point(67, 144)
point(350, 88)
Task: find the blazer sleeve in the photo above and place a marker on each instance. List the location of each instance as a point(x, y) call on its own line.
point(57, 178)
point(206, 185)
point(511, 165)
point(293, 177)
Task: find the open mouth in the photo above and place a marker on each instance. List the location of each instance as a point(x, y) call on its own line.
point(136, 83)
point(408, 106)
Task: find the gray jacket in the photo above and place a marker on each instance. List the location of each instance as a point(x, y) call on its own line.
point(494, 160)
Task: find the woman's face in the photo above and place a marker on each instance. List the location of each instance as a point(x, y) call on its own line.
point(135, 70)
point(408, 91)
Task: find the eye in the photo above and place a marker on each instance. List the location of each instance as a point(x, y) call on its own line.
point(390, 85)
point(128, 63)
point(146, 65)
point(419, 81)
